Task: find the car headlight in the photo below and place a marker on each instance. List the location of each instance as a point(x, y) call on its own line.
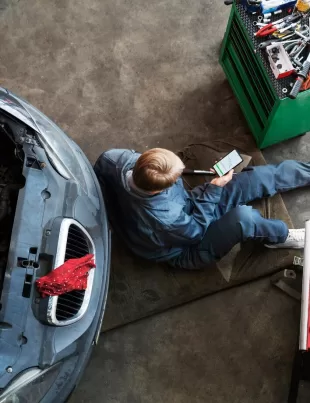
point(57, 145)
point(31, 386)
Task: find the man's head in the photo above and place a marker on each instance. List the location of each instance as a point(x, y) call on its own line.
point(157, 169)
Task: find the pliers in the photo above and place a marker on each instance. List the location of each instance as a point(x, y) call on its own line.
point(283, 24)
point(266, 30)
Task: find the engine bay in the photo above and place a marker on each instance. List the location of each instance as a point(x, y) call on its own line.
point(11, 181)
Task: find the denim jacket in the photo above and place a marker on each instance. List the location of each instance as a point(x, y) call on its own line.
point(156, 227)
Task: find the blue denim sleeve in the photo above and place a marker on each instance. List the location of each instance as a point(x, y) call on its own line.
point(190, 228)
point(206, 198)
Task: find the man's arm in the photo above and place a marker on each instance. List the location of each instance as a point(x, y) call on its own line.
point(207, 197)
point(189, 229)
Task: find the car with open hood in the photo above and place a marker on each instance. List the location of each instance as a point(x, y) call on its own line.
point(51, 210)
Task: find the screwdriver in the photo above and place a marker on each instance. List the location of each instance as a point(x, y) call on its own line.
point(187, 171)
point(200, 172)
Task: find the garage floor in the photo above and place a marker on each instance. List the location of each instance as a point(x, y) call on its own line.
point(138, 74)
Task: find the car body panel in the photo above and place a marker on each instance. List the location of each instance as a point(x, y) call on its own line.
point(29, 342)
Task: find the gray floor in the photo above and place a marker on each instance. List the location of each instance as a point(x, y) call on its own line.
point(135, 73)
point(217, 350)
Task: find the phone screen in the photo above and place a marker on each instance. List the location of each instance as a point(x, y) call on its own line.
point(227, 163)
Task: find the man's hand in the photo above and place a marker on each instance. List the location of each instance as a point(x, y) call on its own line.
point(223, 180)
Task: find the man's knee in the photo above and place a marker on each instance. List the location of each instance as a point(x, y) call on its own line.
point(242, 220)
point(242, 213)
point(233, 227)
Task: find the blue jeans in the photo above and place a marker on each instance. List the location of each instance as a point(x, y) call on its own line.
point(236, 222)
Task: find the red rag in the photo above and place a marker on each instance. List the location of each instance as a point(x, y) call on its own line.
point(72, 275)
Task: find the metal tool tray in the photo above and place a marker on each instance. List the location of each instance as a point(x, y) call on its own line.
point(271, 115)
point(248, 20)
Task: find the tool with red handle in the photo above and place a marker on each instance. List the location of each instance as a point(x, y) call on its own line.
point(301, 77)
point(266, 30)
point(280, 25)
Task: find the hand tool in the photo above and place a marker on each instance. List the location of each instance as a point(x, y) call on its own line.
point(266, 30)
point(270, 28)
point(281, 25)
point(294, 49)
point(263, 45)
point(258, 24)
point(187, 171)
point(306, 84)
point(296, 56)
point(301, 35)
point(287, 27)
point(301, 77)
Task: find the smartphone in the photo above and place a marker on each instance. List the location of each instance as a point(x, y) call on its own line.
point(227, 163)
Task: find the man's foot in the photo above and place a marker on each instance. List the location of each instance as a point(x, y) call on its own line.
point(294, 240)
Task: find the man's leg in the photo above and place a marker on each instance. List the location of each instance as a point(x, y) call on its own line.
point(263, 181)
point(238, 225)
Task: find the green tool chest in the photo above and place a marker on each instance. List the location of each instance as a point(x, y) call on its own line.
point(271, 115)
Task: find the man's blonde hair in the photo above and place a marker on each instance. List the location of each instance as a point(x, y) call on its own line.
point(157, 169)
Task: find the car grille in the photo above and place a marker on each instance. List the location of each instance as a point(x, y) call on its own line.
point(74, 242)
point(69, 304)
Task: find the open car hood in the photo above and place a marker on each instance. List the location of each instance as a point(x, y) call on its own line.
point(16, 107)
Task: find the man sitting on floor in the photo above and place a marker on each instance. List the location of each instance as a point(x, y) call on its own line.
point(159, 220)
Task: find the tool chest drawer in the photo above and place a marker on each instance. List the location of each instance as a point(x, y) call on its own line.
point(271, 115)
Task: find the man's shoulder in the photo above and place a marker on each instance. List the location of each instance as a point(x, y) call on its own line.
point(117, 154)
point(116, 158)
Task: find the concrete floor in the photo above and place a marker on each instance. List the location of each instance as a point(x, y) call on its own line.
point(131, 73)
point(217, 350)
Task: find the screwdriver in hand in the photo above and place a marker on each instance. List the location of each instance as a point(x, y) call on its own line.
point(197, 172)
